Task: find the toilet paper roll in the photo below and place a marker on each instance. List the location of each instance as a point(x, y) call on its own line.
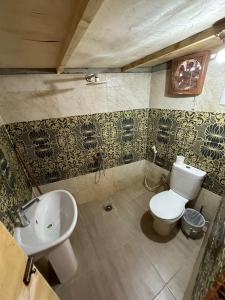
point(180, 159)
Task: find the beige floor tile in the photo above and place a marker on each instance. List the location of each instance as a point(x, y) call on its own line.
point(127, 275)
point(83, 248)
point(121, 257)
point(170, 254)
point(143, 199)
point(179, 282)
point(165, 294)
point(167, 260)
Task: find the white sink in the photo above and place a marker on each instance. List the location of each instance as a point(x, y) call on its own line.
point(52, 220)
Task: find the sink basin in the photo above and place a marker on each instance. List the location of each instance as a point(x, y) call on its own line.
point(52, 220)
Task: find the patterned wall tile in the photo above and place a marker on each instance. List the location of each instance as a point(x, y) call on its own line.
point(213, 261)
point(66, 147)
point(62, 148)
point(199, 136)
point(15, 189)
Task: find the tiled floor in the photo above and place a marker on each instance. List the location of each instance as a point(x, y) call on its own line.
point(121, 258)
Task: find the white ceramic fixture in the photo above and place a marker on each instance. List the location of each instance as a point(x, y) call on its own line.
point(168, 207)
point(52, 220)
point(220, 57)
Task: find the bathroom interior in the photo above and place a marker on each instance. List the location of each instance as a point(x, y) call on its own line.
point(112, 142)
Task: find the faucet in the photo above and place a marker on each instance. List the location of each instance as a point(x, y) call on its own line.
point(20, 212)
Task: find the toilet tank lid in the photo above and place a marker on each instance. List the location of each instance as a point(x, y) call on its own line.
point(189, 169)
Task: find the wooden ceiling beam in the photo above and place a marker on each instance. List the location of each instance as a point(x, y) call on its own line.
point(202, 38)
point(84, 15)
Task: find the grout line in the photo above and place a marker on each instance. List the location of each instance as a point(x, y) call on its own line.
point(159, 291)
point(166, 282)
point(162, 289)
point(171, 292)
point(170, 281)
point(174, 275)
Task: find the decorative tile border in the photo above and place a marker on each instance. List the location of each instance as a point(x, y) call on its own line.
point(199, 136)
point(61, 148)
point(213, 262)
point(15, 189)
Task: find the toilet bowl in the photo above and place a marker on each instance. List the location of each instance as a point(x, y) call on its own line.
point(166, 208)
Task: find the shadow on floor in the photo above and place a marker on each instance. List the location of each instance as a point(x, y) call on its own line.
point(148, 230)
point(45, 268)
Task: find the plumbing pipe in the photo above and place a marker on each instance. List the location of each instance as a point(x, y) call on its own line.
point(101, 166)
point(163, 180)
point(155, 152)
point(151, 189)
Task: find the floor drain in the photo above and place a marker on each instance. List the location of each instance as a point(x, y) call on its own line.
point(108, 207)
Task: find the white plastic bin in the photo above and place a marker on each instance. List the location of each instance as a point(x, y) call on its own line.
point(193, 223)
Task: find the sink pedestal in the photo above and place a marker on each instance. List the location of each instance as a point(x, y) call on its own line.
point(63, 261)
point(52, 221)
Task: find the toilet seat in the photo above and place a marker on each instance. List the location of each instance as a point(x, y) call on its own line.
point(167, 205)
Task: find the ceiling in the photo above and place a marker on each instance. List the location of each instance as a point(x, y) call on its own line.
point(124, 31)
point(32, 32)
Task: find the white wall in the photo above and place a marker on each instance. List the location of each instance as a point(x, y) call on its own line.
point(85, 189)
point(208, 101)
point(35, 97)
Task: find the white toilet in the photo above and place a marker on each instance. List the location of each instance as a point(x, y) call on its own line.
point(168, 207)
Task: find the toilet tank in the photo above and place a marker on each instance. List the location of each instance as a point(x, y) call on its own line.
point(186, 180)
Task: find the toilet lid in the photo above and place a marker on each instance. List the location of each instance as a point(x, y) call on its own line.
point(167, 205)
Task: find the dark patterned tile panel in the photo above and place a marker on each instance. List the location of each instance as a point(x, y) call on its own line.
point(15, 189)
point(67, 147)
point(213, 262)
point(199, 136)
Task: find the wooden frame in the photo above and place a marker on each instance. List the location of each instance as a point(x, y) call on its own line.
point(188, 73)
point(204, 40)
point(84, 15)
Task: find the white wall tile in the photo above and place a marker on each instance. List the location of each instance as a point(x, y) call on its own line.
point(208, 101)
point(35, 97)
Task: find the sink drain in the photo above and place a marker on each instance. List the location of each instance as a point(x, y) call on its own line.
point(108, 207)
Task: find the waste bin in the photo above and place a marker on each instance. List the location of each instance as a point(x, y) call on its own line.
point(193, 223)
